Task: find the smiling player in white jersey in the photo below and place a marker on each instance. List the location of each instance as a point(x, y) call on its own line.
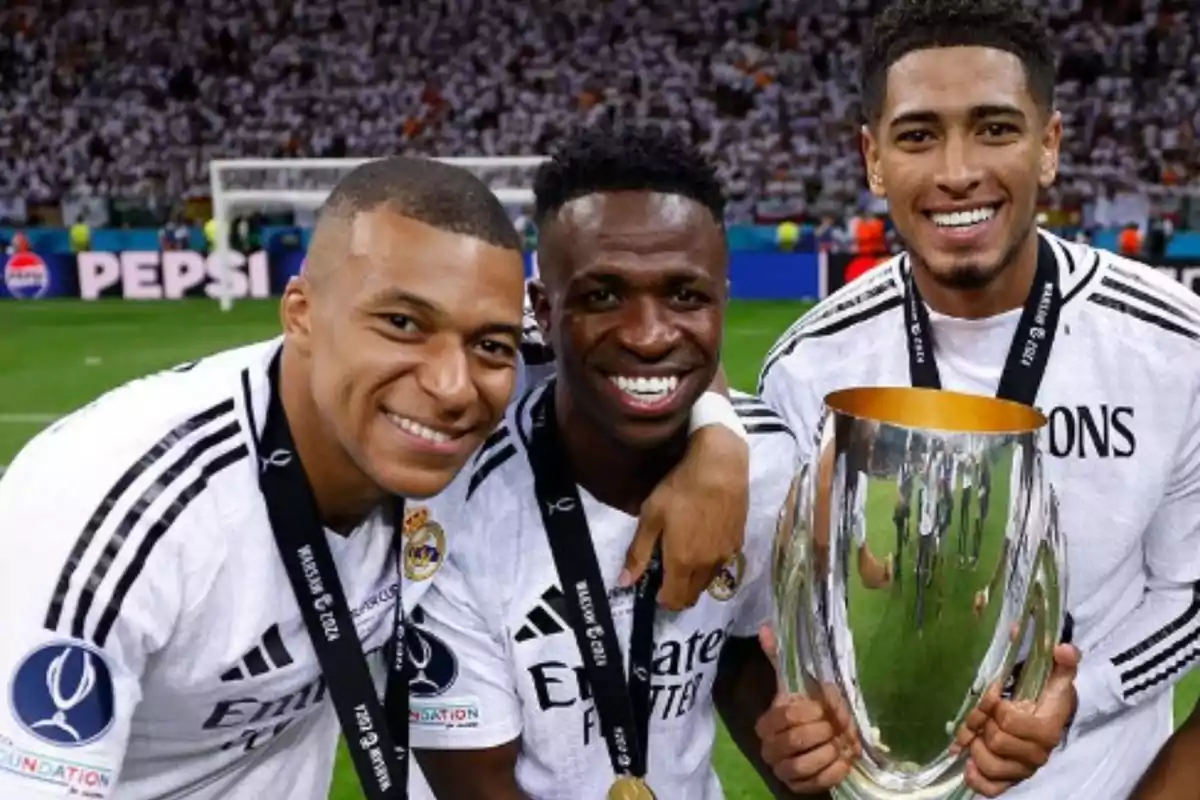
point(961, 136)
point(154, 645)
point(161, 651)
point(541, 703)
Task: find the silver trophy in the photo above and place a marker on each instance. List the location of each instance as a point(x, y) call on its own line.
point(919, 561)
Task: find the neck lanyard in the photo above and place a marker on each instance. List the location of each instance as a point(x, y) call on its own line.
point(1030, 350)
point(623, 704)
point(379, 751)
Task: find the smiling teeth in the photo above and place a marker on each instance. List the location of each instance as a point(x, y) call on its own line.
point(647, 389)
point(961, 219)
point(418, 430)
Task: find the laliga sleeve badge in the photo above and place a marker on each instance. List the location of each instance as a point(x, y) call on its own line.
point(725, 585)
point(628, 787)
point(424, 546)
point(62, 693)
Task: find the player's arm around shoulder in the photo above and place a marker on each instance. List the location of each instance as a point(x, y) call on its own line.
point(698, 511)
point(92, 587)
point(466, 719)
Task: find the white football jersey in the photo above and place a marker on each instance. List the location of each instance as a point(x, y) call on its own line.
point(497, 613)
point(159, 651)
point(1122, 394)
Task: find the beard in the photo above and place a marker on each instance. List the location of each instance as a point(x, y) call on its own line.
point(969, 275)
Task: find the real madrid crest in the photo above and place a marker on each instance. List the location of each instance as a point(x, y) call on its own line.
point(424, 546)
point(725, 585)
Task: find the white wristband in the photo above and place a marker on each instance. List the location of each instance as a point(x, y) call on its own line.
point(714, 408)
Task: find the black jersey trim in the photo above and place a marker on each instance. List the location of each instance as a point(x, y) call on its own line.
point(1143, 315)
point(842, 324)
point(157, 531)
point(125, 529)
point(493, 463)
point(145, 462)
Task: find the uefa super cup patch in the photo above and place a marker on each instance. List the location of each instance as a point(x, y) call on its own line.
point(62, 694)
point(434, 667)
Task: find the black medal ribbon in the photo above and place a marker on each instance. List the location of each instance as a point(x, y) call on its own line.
point(623, 704)
point(379, 751)
point(1030, 351)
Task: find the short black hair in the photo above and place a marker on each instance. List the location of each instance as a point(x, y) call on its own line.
point(614, 158)
point(441, 195)
point(908, 25)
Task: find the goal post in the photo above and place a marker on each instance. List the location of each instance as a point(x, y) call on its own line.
point(302, 184)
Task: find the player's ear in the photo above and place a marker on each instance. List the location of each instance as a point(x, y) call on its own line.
point(870, 153)
point(1051, 141)
point(295, 313)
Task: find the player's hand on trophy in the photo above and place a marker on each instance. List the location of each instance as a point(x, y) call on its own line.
point(1008, 741)
point(808, 743)
point(699, 512)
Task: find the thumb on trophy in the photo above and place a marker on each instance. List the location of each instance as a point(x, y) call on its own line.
point(1058, 695)
point(770, 646)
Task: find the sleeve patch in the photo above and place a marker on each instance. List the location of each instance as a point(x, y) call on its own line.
point(62, 694)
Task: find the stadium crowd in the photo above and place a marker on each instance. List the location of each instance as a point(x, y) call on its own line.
point(134, 98)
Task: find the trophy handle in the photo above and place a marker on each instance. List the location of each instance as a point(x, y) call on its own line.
point(792, 582)
point(1043, 607)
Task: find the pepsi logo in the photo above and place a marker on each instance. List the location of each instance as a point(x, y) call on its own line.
point(26, 276)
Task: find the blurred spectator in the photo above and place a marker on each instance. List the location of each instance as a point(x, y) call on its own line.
point(135, 98)
point(1158, 236)
point(1130, 241)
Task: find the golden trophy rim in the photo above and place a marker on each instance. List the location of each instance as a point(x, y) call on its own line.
point(936, 410)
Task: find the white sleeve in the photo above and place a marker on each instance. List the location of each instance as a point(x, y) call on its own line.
point(1153, 647)
point(81, 617)
point(791, 395)
point(479, 707)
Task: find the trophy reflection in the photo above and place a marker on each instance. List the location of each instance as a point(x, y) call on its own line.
point(918, 561)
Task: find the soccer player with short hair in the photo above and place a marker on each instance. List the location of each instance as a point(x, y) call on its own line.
point(208, 554)
point(961, 136)
point(539, 702)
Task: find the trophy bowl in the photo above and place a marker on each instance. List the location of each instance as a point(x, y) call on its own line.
point(918, 562)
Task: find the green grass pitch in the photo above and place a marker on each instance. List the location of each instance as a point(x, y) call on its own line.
point(57, 355)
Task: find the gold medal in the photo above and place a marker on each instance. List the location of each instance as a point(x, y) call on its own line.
point(628, 787)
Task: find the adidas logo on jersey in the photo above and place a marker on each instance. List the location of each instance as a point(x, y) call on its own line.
point(546, 618)
point(549, 616)
point(269, 654)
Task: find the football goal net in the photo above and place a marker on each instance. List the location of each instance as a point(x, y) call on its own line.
point(299, 186)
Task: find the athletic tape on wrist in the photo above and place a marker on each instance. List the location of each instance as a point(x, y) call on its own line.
point(714, 408)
